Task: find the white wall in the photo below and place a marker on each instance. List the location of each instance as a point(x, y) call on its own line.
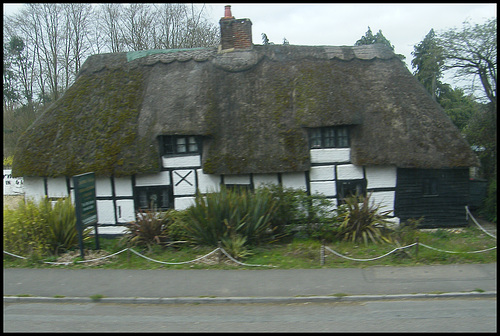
point(186, 177)
point(381, 177)
point(330, 155)
point(57, 187)
point(34, 188)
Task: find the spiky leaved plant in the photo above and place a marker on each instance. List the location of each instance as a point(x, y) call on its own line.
point(362, 221)
point(63, 234)
point(220, 215)
point(150, 228)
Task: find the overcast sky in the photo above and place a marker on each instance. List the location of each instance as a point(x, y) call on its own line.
point(343, 24)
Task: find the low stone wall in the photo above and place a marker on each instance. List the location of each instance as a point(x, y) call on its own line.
point(12, 201)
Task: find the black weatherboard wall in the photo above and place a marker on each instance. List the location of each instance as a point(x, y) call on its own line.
point(439, 195)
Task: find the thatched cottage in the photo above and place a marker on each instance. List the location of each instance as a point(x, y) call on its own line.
point(160, 125)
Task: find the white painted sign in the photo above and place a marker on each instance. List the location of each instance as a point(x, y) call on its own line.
point(12, 185)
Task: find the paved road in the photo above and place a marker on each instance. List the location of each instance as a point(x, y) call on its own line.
point(443, 315)
point(377, 280)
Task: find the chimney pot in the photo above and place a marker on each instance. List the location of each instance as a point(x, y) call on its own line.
point(227, 12)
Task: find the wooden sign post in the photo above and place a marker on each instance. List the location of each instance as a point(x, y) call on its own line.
point(85, 206)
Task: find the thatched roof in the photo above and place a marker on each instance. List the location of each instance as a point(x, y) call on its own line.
point(252, 107)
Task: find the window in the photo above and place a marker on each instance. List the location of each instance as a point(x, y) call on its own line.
point(430, 187)
point(158, 198)
point(180, 144)
point(239, 188)
point(350, 188)
point(329, 137)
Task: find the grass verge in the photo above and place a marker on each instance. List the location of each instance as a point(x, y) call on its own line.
point(297, 253)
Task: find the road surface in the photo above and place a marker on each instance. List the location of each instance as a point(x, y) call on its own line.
point(429, 315)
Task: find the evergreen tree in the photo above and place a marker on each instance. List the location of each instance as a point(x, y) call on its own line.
point(369, 38)
point(428, 63)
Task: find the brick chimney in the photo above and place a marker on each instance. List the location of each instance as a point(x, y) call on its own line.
point(234, 33)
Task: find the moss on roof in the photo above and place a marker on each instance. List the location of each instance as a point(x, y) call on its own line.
point(93, 127)
point(252, 108)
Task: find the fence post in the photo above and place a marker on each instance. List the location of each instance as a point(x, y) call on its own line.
point(322, 253)
point(416, 249)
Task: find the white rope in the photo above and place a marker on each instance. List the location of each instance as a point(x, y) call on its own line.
point(14, 255)
point(84, 261)
point(474, 220)
point(176, 263)
point(370, 259)
point(236, 261)
point(436, 249)
point(150, 259)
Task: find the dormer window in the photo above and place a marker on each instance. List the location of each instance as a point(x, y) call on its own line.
point(180, 144)
point(329, 137)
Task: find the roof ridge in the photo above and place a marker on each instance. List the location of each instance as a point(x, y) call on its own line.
point(133, 55)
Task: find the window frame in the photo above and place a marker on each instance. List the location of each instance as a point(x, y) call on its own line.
point(430, 187)
point(329, 137)
point(159, 192)
point(170, 145)
point(352, 187)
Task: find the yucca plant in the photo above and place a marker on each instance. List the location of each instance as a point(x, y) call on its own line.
point(150, 228)
point(63, 234)
point(362, 221)
point(259, 209)
point(217, 216)
point(235, 245)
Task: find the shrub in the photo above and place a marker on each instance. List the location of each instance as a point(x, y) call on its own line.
point(220, 215)
point(235, 245)
point(176, 228)
point(296, 211)
point(490, 203)
point(35, 229)
point(63, 234)
point(149, 229)
point(25, 229)
point(361, 220)
point(407, 232)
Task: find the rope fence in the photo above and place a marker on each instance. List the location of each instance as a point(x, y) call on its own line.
point(417, 244)
point(147, 258)
point(468, 214)
point(369, 259)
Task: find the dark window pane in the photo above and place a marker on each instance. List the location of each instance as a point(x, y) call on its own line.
point(164, 198)
point(350, 188)
point(181, 145)
point(157, 198)
point(329, 138)
point(315, 138)
point(143, 199)
point(430, 187)
point(174, 144)
point(168, 145)
point(342, 138)
point(193, 145)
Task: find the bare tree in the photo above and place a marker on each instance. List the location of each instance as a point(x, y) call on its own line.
point(138, 26)
point(111, 26)
point(78, 18)
point(199, 33)
point(59, 36)
point(171, 23)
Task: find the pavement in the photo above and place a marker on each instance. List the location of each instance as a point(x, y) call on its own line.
point(246, 286)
